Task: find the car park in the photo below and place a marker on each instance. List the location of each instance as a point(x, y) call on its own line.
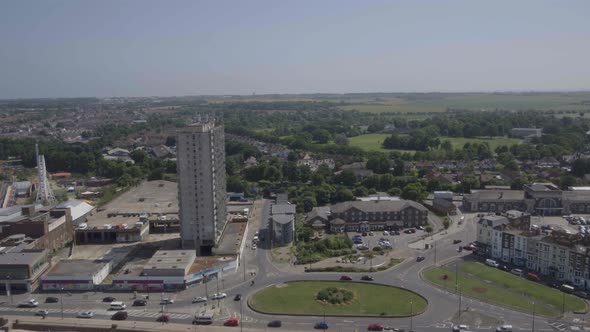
point(167, 301)
point(42, 312)
point(321, 326)
point(367, 278)
point(52, 299)
point(164, 318)
point(346, 278)
point(139, 303)
point(85, 314)
point(375, 327)
point(199, 299)
point(274, 323)
point(234, 321)
point(120, 315)
point(420, 258)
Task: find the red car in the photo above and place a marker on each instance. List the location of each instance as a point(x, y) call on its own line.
point(345, 277)
point(164, 318)
point(375, 327)
point(469, 247)
point(235, 321)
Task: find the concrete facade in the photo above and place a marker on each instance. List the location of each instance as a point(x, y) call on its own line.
point(201, 189)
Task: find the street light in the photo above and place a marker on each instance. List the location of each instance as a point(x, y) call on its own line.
point(411, 315)
point(533, 327)
point(61, 302)
point(241, 317)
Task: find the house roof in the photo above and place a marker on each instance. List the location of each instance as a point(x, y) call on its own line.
point(377, 206)
point(318, 212)
point(337, 221)
point(507, 195)
point(494, 221)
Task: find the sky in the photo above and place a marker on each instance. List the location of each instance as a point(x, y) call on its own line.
point(111, 48)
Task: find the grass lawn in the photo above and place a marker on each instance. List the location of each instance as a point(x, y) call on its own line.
point(369, 299)
point(494, 142)
point(492, 285)
point(372, 142)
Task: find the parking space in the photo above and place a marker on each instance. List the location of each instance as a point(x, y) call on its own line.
point(385, 239)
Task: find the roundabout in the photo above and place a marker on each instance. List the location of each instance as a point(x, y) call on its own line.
point(336, 298)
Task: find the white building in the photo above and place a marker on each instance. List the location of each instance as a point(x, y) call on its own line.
point(201, 185)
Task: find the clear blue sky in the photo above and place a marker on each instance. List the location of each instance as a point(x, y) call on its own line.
point(144, 48)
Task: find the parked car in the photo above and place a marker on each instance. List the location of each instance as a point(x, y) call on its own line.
point(420, 258)
point(581, 294)
point(367, 278)
point(274, 323)
point(85, 314)
point(395, 233)
point(139, 303)
point(516, 272)
point(164, 318)
point(375, 327)
point(504, 267)
point(385, 233)
point(321, 326)
point(238, 297)
point(371, 233)
point(167, 301)
point(42, 312)
point(456, 241)
point(108, 299)
point(364, 233)
point(420, 227)
point(458, 328)
point(554, 285)
point(199, 299)
point(234, 321)
point(533, 277)
point(469, 247)
point(52, 299)
point(120, 315)
point(345, 277)
point(504, 328)
point(410, 231)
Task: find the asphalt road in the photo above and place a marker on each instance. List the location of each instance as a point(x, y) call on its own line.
point(259, 267)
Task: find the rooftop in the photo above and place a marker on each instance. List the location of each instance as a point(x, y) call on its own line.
point(507, 195)
point(76, 268)
point(543, 187)
point(283, 219)
point(171, 259)
point(14, 256)
point(283, 209)
point(377, 206)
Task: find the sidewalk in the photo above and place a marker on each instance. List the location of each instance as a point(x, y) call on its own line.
point(29, 323)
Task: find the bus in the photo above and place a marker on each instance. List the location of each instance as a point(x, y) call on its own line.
point(204, 317)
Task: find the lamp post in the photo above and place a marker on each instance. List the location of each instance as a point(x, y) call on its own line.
point(434, 252)
point(205, 283)
point(459, 307)
point(533, 327)
point(241, 317)
point(61, 302)
point(411, 315)
point(563, 304)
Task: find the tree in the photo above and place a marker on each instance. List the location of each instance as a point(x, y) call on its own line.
point(378, 163)
point(446, 223)
point(321, 136)
point(308, 203)
point(414, 191)
point(139, 156)
point(346, 178)
point(343, 195)
point(341, 139)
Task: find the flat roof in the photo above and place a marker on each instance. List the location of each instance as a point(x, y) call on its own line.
point(77, 268)
point(283, 209)
point(20, 258)
point(171, 259)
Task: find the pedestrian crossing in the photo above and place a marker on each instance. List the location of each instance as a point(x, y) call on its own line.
point(101, 312)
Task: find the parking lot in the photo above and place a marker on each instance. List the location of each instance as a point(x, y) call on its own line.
point(385, 239)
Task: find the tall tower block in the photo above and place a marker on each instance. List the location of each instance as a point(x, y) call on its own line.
point(201, 185)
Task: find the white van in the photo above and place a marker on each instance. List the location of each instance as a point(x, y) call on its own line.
point(504, 328)
point(492, 263)
point(117, 305)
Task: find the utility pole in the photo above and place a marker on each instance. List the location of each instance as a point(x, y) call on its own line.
point(459, 306)
point(61, 301)
point(411, 315)
point(217, 280)
point(456, 277)
point(434, 252)
point(241, 317)
point(533, 327)
point(205, 283)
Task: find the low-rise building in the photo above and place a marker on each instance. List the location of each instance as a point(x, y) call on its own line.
point(283, 222)
point(526, 132)
point(21, 268)
point(76, 274)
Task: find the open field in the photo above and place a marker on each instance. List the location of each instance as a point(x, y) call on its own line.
point(499, 287)
point(431, 103)
point(494, 142)
point(372, 142)
point(369, 299)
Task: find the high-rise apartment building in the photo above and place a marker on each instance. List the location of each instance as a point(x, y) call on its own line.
point(201, 185)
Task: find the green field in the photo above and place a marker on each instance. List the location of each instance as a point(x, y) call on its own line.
point(372, 142)
point(499, 287)
point(370, 299)
point(494, 142)
point(431, 103)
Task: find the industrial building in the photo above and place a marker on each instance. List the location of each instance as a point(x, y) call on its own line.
point(201, 190)
point(21, 268)
point(76, 274)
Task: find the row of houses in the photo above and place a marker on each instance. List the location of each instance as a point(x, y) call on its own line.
point(368, 215)
point(537, 198)
point(561, 254)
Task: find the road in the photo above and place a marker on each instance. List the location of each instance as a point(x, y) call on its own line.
point(443, 306)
